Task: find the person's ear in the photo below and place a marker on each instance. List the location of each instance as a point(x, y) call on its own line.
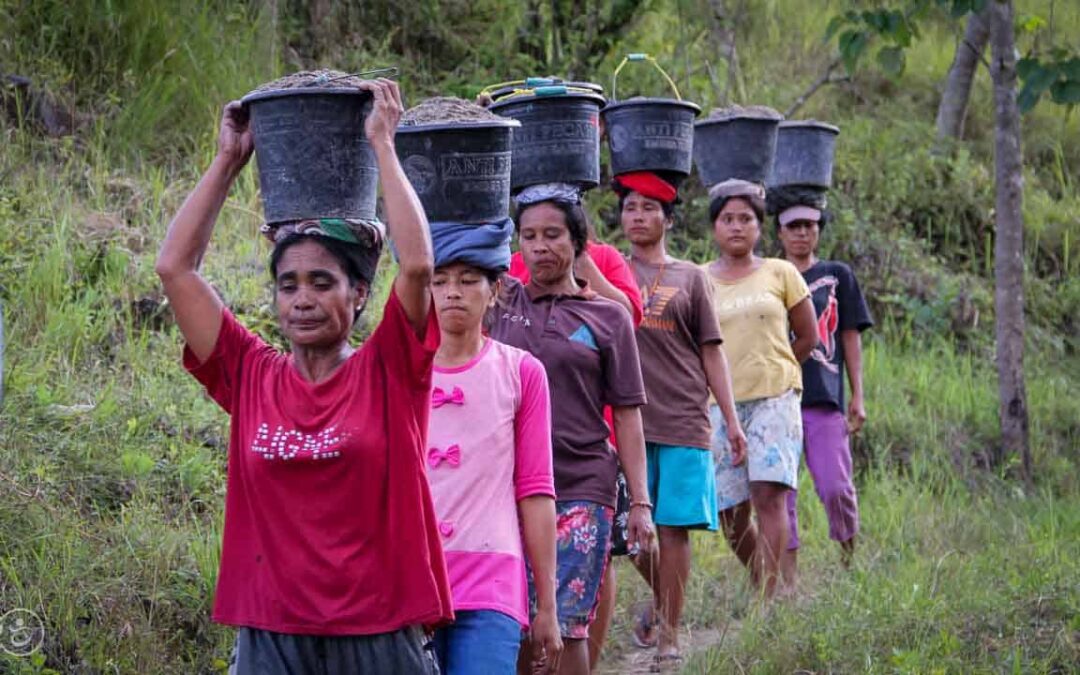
point(496, 289)
point(362, 291)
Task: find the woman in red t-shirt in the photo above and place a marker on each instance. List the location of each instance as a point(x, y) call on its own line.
point(331, 560)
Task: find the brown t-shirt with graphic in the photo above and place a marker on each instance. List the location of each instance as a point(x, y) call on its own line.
point(678, 320)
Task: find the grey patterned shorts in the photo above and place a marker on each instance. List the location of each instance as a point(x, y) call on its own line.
point(774, 438)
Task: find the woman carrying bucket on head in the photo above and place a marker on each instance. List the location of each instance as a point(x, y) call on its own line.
point(603, 268)
point(559, 140)
point(681, 361)
point(331, 560)
point(758, 302)
point(587, 346)
point(841, 316)
point(489, 466)
point(489, 443)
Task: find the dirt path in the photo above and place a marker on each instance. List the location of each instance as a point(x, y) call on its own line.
point(629, 660)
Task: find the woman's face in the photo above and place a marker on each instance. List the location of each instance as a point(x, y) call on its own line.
point(463, 295)
point(643, 220)
point(737, 228)
point(315, 301)
point(545, 243)
point(800, 238)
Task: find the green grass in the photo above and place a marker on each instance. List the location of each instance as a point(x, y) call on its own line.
point(952, 584)
point(112, 462)
point(956, 571)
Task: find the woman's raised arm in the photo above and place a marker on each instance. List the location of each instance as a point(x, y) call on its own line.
point(405, 220)
point(195, 304)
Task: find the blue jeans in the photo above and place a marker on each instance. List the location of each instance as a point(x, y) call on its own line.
point(479, 642)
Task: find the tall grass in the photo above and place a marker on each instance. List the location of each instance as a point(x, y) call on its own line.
point(148, 73)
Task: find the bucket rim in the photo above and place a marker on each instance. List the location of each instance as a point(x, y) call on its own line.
point(810, 124)
point(773, 121)
point(504, 123)
point(672, 102)
point(257, 96)
point(599, 100)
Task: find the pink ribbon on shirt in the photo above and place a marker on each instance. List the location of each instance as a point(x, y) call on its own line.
point(440, 398)
point(451, 455)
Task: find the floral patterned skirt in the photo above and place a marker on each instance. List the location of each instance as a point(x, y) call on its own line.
point(583, 548)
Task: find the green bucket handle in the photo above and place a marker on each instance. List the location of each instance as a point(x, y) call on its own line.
point(638, 57)
point(535, 86)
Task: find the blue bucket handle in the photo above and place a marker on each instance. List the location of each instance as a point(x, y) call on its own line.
point(552, 90)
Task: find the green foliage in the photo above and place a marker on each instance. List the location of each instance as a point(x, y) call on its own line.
point(897, 28)
point(1059, 74)
point(148, 73)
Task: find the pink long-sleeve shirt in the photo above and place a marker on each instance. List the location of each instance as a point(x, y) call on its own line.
point(489, 446)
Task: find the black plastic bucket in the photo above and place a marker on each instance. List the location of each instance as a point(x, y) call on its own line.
point(651, 134)
point(314, 159)
point(804, 154)
point(737, 147)
point(461, 171)
point(558, 140)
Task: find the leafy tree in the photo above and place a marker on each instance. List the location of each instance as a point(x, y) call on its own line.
point(1055, 71)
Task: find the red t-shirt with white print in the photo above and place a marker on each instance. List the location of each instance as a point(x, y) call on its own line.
point(329, 524)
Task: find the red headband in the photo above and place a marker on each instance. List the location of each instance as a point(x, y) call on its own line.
point(648, 185)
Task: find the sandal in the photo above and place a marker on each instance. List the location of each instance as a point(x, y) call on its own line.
point(667, 663)
point(645, 631)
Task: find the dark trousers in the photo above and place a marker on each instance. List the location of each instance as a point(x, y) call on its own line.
point(262, 652)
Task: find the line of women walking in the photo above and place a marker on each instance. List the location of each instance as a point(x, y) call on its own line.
point(423, 501)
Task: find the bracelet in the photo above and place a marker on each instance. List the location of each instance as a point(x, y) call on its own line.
point(647, 505)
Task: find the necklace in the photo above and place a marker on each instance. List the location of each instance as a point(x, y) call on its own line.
point(650, 295)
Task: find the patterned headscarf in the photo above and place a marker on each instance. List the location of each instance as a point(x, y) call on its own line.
point(548, 192)
point(365, 237)
point(735, 187)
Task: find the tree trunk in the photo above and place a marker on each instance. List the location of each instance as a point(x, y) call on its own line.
point(1009, 240)
point(954, 98)
point(531, 35)
point(724, 31)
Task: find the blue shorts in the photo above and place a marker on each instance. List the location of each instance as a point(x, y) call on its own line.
point(682, 486)
point(479, 642)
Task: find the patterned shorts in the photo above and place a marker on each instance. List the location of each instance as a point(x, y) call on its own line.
point(583, 545)
point(774, 438)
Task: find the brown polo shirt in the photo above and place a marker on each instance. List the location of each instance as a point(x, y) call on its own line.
point(587, 346)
